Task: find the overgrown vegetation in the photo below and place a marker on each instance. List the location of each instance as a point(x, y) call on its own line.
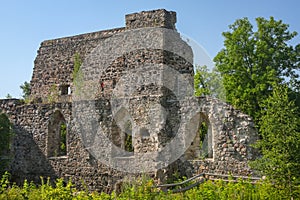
point(280, 146)
point(128, 137)
point(63, 139)
point(145, 189)
point(25, 87)
point(54, 93)
point(8, 96)
point(208, 82)
point(252, 63)
point(77, 74)
point(260, 74)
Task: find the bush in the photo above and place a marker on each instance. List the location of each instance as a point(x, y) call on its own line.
point(143, 188)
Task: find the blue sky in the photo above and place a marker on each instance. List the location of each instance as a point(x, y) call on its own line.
point(25, 24)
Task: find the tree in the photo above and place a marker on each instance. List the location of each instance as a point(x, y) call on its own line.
point(8, 96)
point(5, 136)
point(253, 62)
point(25, 87)
point(208, 82)
point(280, 143)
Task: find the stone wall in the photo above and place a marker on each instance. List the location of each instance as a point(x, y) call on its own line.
point(155, 18)
point(54, 64)
point(231, 134)
point(29, 147)
point(155, 114)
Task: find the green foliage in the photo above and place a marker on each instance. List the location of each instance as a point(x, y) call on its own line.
point(8, 96)
point(260, 73)
point(208, 82)
point(25, 87)
point(5, 137)
point(253, 62)
point(280, 143)
point(143, 188)
point(63, 137)
point(53, 95)
point(128, 137)
point(203, 130)
point(4, 182)
point(77, 64)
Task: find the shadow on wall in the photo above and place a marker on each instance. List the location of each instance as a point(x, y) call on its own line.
point(28, 160)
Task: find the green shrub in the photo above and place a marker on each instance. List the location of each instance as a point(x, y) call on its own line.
point(143, 188)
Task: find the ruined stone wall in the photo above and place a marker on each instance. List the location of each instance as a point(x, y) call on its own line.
point(29, 149)
point(54, 64)
point(128, 67)
point(155, 18)
point(232, 134)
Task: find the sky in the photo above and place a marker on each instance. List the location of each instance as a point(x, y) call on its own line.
point(25, 24)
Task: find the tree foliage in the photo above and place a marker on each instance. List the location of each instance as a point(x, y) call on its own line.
point(208, 82)
point(253, 62)
point(260, 72)
point(280, 143)
point(8, 96)
point(25, 87)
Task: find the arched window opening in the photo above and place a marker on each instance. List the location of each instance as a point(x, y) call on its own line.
point(205, 144)
point(57, 136)
point(121, 132)
point(202, 145)
point(63, 139)
point(116, 137)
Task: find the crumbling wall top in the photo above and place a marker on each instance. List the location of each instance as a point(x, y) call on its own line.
point(154, 18)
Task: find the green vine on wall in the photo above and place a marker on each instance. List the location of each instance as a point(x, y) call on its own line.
point(77, 74)
point(53, 95)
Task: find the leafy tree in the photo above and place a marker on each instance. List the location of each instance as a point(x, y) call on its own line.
point(280, 143)
point(8, 96)
point(253, 62)
point(5, 135)
point(208, 82)
point(25, 87)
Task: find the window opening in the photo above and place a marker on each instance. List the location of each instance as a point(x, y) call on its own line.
point(57, 136)
point(128, 137)
point(65, 90)
point(205, 145)
point(63, 139)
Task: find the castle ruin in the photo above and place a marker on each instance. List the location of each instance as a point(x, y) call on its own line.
point(139, 95)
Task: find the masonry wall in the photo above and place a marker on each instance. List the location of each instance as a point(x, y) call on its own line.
point(54, 64)
point(29, 149)
point(232, 133)
point(33, 156)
